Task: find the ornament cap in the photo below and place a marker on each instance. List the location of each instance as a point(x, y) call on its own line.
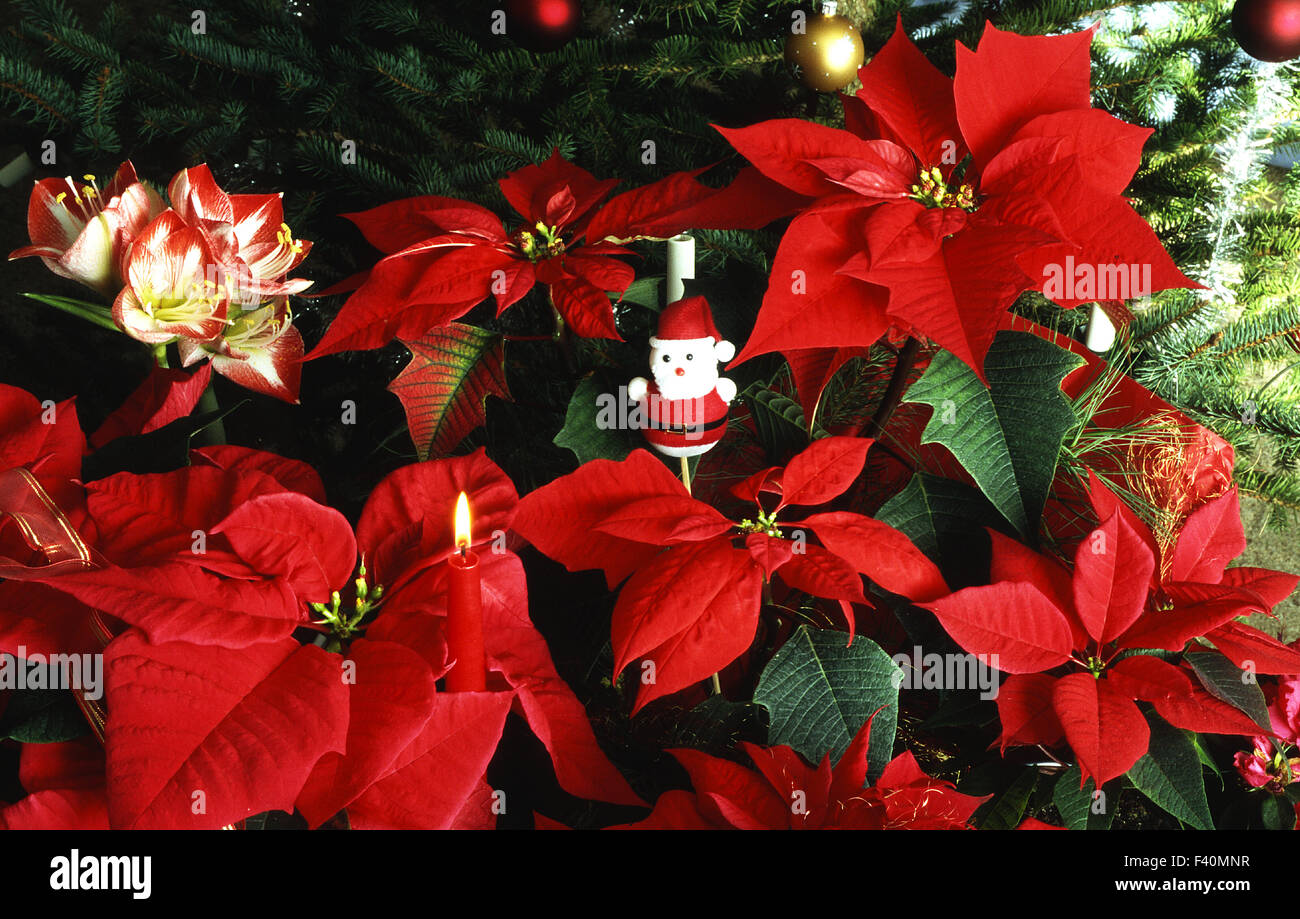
point(687, 319)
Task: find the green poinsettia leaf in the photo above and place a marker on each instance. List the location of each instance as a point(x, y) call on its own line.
point(1007, 435)
point(591, 424)
point(1169, 773)
point(1277, 813)
point(778, 420)
point(1229, 683)
point(946, 521)
point(451, 373)
point(1005, 810)
point(42, 716)
point(819, 693)
point(717, 725)
point(1080, 808)
point(1206, 759)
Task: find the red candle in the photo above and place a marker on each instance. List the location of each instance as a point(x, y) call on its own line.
point(465, 611)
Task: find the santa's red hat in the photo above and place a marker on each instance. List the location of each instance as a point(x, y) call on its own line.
point(687, 319)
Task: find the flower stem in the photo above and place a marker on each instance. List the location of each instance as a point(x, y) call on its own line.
point(91, 312)
point(563, 338)
point(215, 433)
point(894, 393)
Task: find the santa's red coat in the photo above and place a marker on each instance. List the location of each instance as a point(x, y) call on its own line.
point(684, 422)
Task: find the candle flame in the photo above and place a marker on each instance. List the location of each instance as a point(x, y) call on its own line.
point(462, 522)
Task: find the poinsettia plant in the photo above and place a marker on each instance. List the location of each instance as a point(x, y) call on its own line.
point(943, 198)
point(691, 605)
point(356, 725)
point(443, 256)
point(786, 793)
point(1107, 626)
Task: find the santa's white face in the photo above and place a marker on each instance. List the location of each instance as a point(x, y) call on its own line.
point(684, 369)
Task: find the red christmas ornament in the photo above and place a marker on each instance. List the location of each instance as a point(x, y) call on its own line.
point(542, 25)
point(1268, 30)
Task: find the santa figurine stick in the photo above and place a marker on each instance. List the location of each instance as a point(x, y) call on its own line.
point(685, 406)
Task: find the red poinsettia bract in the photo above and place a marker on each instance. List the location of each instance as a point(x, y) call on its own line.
point(405, 534)
point(785, 793)
point(903, 232)
point(65, 788)
point(691, 605)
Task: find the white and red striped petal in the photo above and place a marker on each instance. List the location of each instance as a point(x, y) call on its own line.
point(261, 351)
point(132, 318)
point(274, 371)
point(146, 322)
point(93, 258)
point(257, 219)
point(169, 258)
point(57, 212)
point(195, 195)
point(136, 207)
point(84, 234)
point(123, 179)
point(246, 235)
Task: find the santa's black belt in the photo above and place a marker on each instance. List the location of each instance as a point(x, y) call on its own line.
point(688, 429)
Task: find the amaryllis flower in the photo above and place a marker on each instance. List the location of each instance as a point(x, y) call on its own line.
point(260, 349)
point(84, 233)
point(785, 793)
point(945, 199)
point(174, 287)
point(246, 234)
point(443, 256)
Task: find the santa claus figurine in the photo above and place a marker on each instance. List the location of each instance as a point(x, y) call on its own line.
point(686, 405)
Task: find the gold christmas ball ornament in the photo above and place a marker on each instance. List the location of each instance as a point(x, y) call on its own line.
point(824, 51)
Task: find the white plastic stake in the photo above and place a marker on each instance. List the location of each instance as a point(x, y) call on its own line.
point(681, 265)
point(1101, 332)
